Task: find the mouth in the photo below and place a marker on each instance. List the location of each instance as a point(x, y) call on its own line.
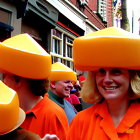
point(110, 88)
point(67, 90)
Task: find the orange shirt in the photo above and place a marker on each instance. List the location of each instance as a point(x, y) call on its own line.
point(95, 123)
point(47, 118)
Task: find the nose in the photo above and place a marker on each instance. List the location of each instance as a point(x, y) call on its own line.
point(70, 85)
point(108, 79)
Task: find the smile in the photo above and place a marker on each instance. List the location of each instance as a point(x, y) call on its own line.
point(110, 88)
point(67, 90)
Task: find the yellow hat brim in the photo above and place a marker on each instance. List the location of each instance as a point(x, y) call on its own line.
point(110, 47)
point(20, 121)
point(28, 60)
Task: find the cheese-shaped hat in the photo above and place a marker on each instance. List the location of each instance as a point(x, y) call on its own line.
point(23, 56)
point(110, 47)
point(61, 72)
point(11, 116)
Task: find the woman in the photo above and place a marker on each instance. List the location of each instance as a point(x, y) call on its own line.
point(113, 84)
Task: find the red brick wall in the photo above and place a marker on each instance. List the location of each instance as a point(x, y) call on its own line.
point(109, 13)
point(92, 4)
point(88, 11)
point(92, 17)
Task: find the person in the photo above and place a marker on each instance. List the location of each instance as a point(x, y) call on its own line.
point(76, 86)
point(81, 80)
point(61, 79)
point(112, 59)
point(10, 124)
point(12, 116)
point(74, 100)
point(25, 67)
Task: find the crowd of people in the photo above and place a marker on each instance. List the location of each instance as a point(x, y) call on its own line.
point(41, 101)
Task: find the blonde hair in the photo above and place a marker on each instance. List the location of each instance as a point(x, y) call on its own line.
point(90, 93)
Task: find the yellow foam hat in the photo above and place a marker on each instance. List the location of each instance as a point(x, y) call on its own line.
point(110, 47)
point(23, 56)
point(11, 116)
point(61, 72)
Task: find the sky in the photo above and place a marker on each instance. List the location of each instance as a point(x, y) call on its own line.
point(134, 5)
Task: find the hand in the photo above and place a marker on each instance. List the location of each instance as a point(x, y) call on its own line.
point(50, 137)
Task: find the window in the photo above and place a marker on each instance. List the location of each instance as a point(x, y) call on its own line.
point(69, 45)
point(71, 65)
point(56, 42)
point(56, 46)
point(56, 59)
point(5, 22)
point(69, 51)
point(5, 16)
point(102, 6)
point(62, 48)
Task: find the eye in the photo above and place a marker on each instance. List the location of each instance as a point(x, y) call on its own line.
point(101, 71)
point(116, 71)
point(67, 81)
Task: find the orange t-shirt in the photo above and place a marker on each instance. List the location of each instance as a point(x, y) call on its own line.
point(95, 123)
point(47, 118)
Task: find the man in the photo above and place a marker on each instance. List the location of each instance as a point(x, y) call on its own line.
point(12, 116)
point(26, 67)
point(60, 86)
point(74, 100)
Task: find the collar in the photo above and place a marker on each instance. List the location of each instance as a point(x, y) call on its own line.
point(37, 107)
point(131, 117)
point(58, 100)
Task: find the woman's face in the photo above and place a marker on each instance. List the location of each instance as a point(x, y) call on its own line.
point(113, 83)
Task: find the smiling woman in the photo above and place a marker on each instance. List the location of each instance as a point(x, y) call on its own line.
point(112, 84)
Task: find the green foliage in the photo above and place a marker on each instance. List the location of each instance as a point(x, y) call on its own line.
point(125, 22)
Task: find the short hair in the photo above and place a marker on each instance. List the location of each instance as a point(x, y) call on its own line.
point(39, 87)
point(90, 93)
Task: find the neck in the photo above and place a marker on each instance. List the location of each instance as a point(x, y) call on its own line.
point(118, 109)
point(54, 92)
point(27, 99)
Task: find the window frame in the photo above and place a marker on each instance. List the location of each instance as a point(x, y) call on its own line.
point(63, 47)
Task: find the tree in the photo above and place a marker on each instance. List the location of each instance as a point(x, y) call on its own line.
point(125, 22)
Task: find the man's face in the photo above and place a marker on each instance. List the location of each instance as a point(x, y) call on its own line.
point(63, 88)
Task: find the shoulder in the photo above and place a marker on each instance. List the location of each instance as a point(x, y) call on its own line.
point(70, 106)
point(67, 102)
point(53, 109)
point(82, 121)
point(87, 113)
point(51, 105)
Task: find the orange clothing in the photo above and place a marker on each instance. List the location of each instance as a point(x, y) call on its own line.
point(47, 118)
point(95, 123)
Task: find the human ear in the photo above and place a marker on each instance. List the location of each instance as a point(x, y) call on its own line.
point(17, 80)
point(52, 84)
point(9, 80)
